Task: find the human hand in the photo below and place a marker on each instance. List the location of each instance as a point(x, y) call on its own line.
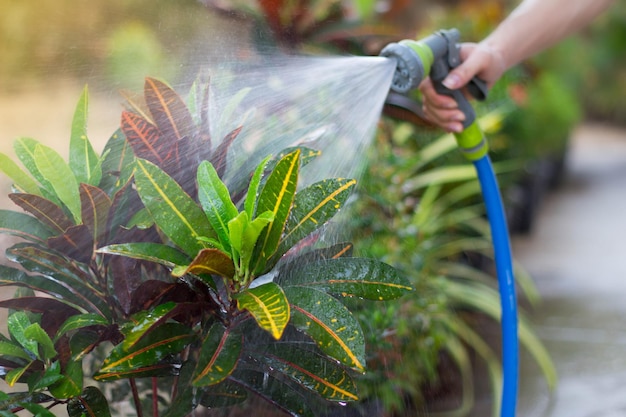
point(478, 60)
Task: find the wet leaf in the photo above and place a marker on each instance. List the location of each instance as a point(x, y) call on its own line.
point(253, 188)
point(244, 235)
point(56, 171)
point(312, 370)
point(351, 277)
point(144, 321)
point(45, 210)
point(95, 205)
point(151, 356)
point(37, 410)
point(36, 333)
point(8, 348)
point(21, 180)
point(83, 161)
point(76, 242)
point(60, 278)
point(219, 355)
point(14, 376)
point(25, 151)
point(269, 307)
point(23, 226)
point(329, 323)
point(148, 251)
point(216, 202)
point(220, 156)
point(125, 204)
point(144, 139)
point(118, 163)
point(17, 324)
point(276, 392)
point(12, 399)
point(91, 403)
point(168, 110)
point(209, 262)
point(276, 197)
point(126, 275)
point(80, 321)
point(312, 208)
point(51, 374)
point(71, 382)
point(53, 312)
point(176, 214)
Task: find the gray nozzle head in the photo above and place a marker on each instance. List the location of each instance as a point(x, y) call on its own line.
point(409, 69)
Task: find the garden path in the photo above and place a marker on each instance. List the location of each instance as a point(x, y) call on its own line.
point(577, 256)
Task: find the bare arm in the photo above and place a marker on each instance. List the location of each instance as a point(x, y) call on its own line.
point(532, 27)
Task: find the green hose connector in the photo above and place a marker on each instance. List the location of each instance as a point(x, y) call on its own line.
point(472, 142)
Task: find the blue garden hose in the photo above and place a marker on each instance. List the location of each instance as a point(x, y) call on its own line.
point(434, 57)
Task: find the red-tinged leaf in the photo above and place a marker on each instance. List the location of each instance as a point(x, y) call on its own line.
point(219, 355)
point(272, 12)
point(149, 294)
point(209, 262)
point(126, 202)
point(145, 139)
point(220, 156)
point(91, 403)
point(76, 242)
point(169, 112)
point(43, 209)
point(117, 165)
point(24, 226)
point(126, 276)
point(95, 205)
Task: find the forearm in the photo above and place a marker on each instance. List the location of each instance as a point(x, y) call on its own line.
point(538, 24)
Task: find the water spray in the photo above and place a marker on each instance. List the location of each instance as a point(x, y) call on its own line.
point(434, 57)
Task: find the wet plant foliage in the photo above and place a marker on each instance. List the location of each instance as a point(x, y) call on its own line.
point(141, 264)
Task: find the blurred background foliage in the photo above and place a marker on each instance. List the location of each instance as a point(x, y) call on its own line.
point(423, 349)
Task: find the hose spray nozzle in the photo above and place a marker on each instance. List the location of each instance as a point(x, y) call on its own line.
point(434, 56)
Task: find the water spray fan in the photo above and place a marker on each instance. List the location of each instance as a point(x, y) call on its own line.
point(434, 57)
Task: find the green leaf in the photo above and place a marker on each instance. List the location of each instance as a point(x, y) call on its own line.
point(269, 307)
point(244, 236)
point(36, 332)
point(150, 356)
point(329, 323)
point(312, 208)
point(148, 251)
point(219, 355)
point(40, 381)
point(351, 277)
point(21, 180)
point(80, 321)
point(281, 395)
point(276, 197)
point(17, 324)
point(37, 410)
point(253, 188)
point(25, 151)
point(71, 382)
point(143, 321)
point(54, 169)
point(215, 200)
point(8, 348)
point(312, 370)
point(91, 403)
point(176, 214)
point(83, 159)
point(13, 376)
point(117, 163)
point(23, 226)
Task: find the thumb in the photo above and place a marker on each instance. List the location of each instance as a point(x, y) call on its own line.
point(462, 74)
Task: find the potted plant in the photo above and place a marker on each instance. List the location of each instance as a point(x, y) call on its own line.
point(139, 266)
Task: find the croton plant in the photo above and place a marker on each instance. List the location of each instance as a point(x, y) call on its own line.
point(140, 266)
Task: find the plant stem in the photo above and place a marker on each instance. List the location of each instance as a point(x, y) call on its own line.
point(155, 397)
point(133, 387)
